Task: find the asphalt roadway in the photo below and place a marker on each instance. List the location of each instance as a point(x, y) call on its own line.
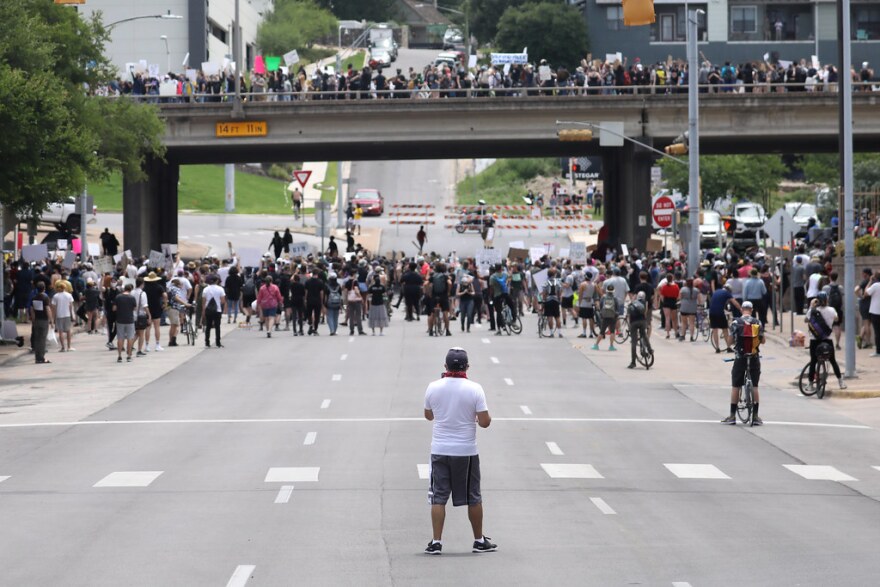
point(295, 461)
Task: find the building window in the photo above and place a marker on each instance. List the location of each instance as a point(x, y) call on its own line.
point(866, 23)
point(614, 17)
point(671, 23)
point(743, 19)
point(217, 31)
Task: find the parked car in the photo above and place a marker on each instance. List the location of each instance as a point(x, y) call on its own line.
point(802, 213)
point(452, 38)
point(379, 57)
point(370, 200)
point(64, 216)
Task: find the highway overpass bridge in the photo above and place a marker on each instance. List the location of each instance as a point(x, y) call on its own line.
point(317, 130)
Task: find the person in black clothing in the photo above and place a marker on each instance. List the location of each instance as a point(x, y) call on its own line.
point(349, 242)
point(298, 305)
point(332, 248)
point(315, 293)
point(284, 288)
point(277, 244)
point(109, 242)
point(648, 289)
point(233, 286)
point(109, 313)
point(287, 240)
point(40, 313)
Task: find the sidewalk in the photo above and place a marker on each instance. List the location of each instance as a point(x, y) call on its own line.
point(77, 384)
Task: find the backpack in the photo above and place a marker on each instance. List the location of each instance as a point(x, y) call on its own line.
point(553, 287)
point(727, 74)
point(835, 298)
point(212, 306)
point(609, 306)
point(636, 311)
point(818, 327)
point(439, 285)
point(750, 337)
point(249, 289)
point(334, 299)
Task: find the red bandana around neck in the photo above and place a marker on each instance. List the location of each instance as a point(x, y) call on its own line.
point(456, 374)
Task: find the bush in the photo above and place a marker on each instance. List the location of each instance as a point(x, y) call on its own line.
point(504, 181)
point(867, 246)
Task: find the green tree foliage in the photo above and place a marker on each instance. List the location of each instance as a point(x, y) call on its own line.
point(825, 168)
point(551, 31)
point(747, 177)
point(55, 137)
point(369, 10)
point(294, 24)
point(485, 16)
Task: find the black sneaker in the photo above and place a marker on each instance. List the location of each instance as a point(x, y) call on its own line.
point(631, 366)
point(756, 421)
point(484, 546)
point(730, 420)
point(434, 548)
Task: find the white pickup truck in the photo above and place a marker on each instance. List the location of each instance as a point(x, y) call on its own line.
point(64, 216)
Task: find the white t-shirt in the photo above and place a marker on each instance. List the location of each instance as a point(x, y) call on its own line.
point(216, 293)
point(63, 304)
point(874, 292)
point(455, 403)
point(813, 285)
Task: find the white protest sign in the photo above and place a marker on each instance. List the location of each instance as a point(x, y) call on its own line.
point(226, 62)
point(169, 249)
point(209, 68)
point(814, 59)
point(517, 245)
point(502, 58)
point(157, 259)
point(192, 75)
point(69, 260)
point(472, 61)
point(506, 69)
point(563, 253)
point(784, 64)
point(284, 70)
point(142, 64)
point(539, 279)
point(250, 256)
point(487, 258)
point(33, 253)
point(300, 249)
point(103, 265)
point(61, 244)
point(168, 88)
point(544, 72)
point(117, 258)
point(624, 250)
point(129, 255)
point(94, 249)
point(577, 252)
point(766, 57)
point(612, 57)
point(535, 253)
point(153, 69)
point(291, 58)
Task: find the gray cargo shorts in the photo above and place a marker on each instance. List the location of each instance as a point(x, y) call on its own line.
point(459, 476)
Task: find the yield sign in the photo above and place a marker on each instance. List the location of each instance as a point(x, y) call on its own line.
point(302, 177)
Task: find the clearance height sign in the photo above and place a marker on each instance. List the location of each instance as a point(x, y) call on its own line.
point(251, 128)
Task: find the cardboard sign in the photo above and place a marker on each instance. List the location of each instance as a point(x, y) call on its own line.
point(535, 253)
point(168, 88)
point(209, 68)
point(117, 258)
point(259, 65)
point(94, 249)
point(519, 254)
point(300, 249)
point(577, 252)
point(273, 63)
point(250, 257)
point(487, 258)
point(61, 244)
point(612, 57)
point(472, 61)
point(69, 260)
point(156, 260)
point(544, 72)
point(128, 254)
point(291, 58)
point(104, 265)
point(34, 253)
point(515, 58)
point(539, 279)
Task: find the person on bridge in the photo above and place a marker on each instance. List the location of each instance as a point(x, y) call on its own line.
point(421, 238)
point(456, 405)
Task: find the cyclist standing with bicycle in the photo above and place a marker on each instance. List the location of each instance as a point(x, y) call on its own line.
point(747, 333)
point(820, 322)
point(638, 328)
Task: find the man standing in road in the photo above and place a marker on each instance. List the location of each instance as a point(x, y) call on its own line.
point(62, 304)
point(422, 238)
point(125, 308)
point(110, 243)
point(296, 199)
point(41, 317)
point(456, 405)
point(214, 306)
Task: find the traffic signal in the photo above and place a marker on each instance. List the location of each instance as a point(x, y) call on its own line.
point(679, 146)
point(574, 135)
point(638, 12)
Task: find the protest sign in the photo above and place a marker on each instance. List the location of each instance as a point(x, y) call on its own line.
point(103, 265)
point(34, 253)
point(487, 258)
point(300, 249)
point(273, 63)
point(69, 260)
point(156, 260)
point(291, 58)
point(259, 65)
point(515, 58)
point(577, 252)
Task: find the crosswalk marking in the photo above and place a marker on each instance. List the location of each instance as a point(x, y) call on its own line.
point(292, 474)
point(494, 360)
point(343, 357)
point(683, 583)
point(128, 479)
point(819, 473)
point(424, 470)
point(486, 341)
point(691, 471)
point(571, 471)
point(241, 575)
point(325, 404)
point(310, 438)
point(554, 449)
point(284, 494)
point(337, 377)
point(526, 410)
point(603, 507)
point(3, 478)
point(508, 381)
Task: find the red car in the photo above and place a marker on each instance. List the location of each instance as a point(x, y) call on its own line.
point(371, 201)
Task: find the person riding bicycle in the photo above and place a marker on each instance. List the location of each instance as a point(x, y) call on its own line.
point(498, 284)
point(748, 334)
point(820, 322)
point(638, 328)
point(437, 295)
point(550, 297)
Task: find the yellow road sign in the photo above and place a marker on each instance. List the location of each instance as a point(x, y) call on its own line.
point(249, 128)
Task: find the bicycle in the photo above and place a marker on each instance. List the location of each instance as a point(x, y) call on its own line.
point(439, 328)
point(745, 404)
point(820, 376)
point(543, 330)
point(511, 325)
point(704, 330)
point(645, 355)
point(186, 326)
point(621, 328)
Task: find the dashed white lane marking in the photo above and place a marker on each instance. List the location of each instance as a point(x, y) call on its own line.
point(199, 236)
point(128, 479)
point(284, 494)
point(228, 234)
point(183, 237)
point(603, 507)
point(337, 377)
point(494, 360)
point(526, 410)
point(571, 471)
point(3, 478)
point(408, 419)
point(684, 583)
point(343, 357)
point(310, 438)
point(508, 381)
point(424, 470)
point(554, 449)
point(691, 471)
point(878, 468)
point(241, 575)
point(819, 473)
point(215, 235)
point(325, 404)
point(350, 339)
point(486, 341)
point(292, 474)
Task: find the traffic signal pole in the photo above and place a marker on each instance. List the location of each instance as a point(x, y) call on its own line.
point(693, 260)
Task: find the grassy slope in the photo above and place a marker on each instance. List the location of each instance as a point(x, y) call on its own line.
point(504, 181)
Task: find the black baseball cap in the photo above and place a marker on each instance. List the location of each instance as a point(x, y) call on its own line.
point(456, 359)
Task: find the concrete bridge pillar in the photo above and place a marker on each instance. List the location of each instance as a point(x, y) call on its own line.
point(150, 208)
point(627, 190)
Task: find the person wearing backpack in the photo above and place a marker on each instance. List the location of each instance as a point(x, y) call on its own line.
point(437, 294)
point(609, 310)
point(638, 328)
point(248, 295)
point(835, 300)
point(213, 307)
point(550, 293)
point(820, 320)
point(334, 303)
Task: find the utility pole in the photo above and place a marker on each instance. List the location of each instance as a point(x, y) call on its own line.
point(237, 110)
point(846, 180)
point(693, 261)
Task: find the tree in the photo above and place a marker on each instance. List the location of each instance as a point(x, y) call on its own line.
point(294, 24)
point(747, 177)
point(486, 14)
point(551, 31)
point(369, 10)
point(55, 136)
point(825, 168)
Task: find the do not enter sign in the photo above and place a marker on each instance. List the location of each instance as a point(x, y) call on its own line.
point(663, 210)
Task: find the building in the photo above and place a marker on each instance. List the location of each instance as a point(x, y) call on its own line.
point(204, 32)
point(737, 30)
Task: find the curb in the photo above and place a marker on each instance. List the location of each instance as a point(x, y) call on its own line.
point(846, 394)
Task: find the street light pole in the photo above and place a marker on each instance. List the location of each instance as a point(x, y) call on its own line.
point(167, 16)
point(693, 260)
point(167, 53)
point(236, 50)
point(846, 180)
